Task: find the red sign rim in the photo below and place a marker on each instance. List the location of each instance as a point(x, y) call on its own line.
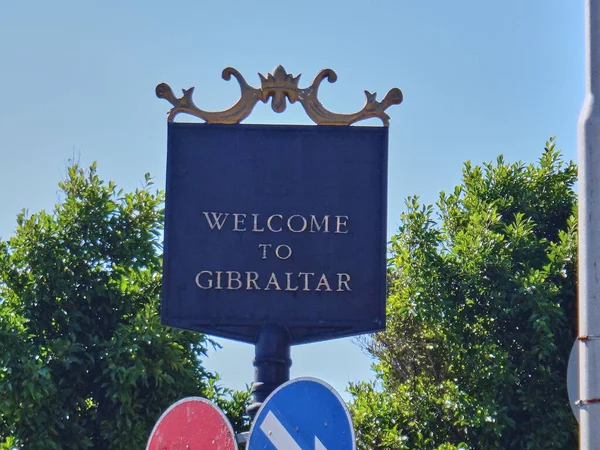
point(226, 429)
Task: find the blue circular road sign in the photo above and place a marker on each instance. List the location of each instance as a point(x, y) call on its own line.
point(303, 414)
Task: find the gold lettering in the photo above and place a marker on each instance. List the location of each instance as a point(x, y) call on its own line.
point(342, 281)
point(324, 224)
point(218, 286)
point(289, 251)
point(255, 227)
point(288, 287)
point(270, 227)
point(209, 273)
point(264, 246)
point(273, 281)
point(239, 220)
point(306, 274)
point(323, 282)
point(341, 223)
point(251, 278)
point(230, 279)
point(216, 222)
point(289, 224)
point(234, 280)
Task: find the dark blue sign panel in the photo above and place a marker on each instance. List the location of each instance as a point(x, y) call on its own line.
point(303, 414)
point(275, 225)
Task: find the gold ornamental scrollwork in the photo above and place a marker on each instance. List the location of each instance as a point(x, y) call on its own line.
point(279, 87)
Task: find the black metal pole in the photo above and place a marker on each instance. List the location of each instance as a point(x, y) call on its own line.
point(272, 363)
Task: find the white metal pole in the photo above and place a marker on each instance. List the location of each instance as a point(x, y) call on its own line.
point(589, 238)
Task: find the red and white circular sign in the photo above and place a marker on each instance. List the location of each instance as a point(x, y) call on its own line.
point(192, 423)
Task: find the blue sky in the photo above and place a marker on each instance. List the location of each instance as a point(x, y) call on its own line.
point(479, 79)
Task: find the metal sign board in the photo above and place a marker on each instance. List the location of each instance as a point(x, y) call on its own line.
point(192, 423)
point(303, 414)
point(573, 379)
point(276, 225)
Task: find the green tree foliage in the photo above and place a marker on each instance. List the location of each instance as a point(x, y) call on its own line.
point(481, 316)
point(84, 361)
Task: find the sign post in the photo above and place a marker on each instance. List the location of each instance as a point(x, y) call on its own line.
point(275, 235)
point(589, 238)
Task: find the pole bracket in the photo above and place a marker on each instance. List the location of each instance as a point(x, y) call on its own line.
point(589, 337)
point(591, 401)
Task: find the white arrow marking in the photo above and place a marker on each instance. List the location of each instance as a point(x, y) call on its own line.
point(319, 445)
point(279, 436)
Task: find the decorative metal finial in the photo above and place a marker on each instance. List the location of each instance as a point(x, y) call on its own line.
point(278, 86)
